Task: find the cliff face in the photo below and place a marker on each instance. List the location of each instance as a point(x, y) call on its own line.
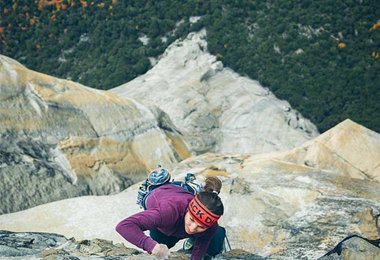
point(291, 204)
point(216, 109)
point(288, 193)
point(59, 139)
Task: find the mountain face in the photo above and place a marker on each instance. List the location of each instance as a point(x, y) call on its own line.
point(214, 108)
point(59, 139)
point(323, 58)
point(289, 204)
point(288, 193)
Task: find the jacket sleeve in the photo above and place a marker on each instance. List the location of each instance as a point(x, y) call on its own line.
point(133, 227)
point(202, 243)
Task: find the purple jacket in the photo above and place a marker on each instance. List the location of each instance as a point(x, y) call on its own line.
point(167, 206)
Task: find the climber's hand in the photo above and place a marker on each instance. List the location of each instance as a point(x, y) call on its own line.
point(161, 251)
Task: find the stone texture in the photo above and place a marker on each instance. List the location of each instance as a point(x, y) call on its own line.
point(60, 139)
point(48, 246)
point(213, 107)
point(357, 248)
point(276, 206)
point(350, 147)
point(52, 246)
point(352, 248)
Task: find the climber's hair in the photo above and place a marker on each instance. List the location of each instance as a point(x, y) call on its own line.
point(209, 195)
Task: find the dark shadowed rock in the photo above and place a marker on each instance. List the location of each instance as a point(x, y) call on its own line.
point(30, 175)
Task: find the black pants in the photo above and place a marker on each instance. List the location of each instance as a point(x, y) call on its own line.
point(215, 247)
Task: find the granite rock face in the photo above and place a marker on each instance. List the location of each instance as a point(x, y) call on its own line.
point(216, 109)
point(354, 247)
point(276, 205)
point(279, 206)
point(59, 139)
point(28, 245)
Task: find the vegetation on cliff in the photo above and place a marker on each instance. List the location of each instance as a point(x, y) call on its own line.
point(321, 56)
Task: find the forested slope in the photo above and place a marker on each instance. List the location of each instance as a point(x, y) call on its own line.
point(321, 56)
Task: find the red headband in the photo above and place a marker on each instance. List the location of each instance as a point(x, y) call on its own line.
point(201, 213)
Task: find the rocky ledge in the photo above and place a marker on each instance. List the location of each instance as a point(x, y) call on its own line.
point(28, 245)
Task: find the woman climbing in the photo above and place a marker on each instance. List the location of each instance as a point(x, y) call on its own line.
point(172, 214)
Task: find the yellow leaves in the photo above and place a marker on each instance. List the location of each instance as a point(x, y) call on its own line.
point(375, 26)
point(40, 6)
point(83, 3)
point(342, 45)
point(375, 54)
point(1, 29)
point(225, 46)
point(65, 4)
point(14, 6)
point(33, 20)
point(59, 5)
point(52, 17)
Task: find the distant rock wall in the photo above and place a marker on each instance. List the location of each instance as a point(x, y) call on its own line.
point(59, 139)
point(216, 109)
